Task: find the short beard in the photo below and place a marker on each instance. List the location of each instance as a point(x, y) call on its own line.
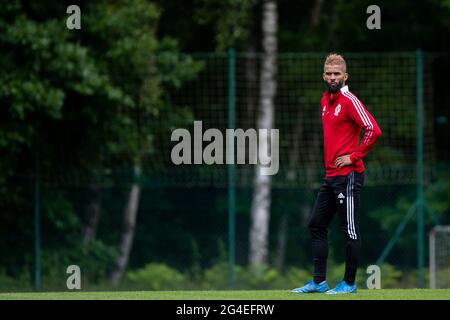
point(335, 87)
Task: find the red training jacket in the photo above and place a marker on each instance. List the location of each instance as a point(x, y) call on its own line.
point(343, 117)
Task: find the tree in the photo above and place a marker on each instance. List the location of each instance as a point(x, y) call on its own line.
point(80, 101)
point(260, 210)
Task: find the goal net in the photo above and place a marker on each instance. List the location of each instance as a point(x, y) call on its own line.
point(440, 257)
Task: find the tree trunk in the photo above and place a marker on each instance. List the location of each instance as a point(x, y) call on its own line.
point(282, 240)
point(315, 14)
point(260, 211)
point(129, 223)
point(251, 71)
point(312, 157)
point(93, 210)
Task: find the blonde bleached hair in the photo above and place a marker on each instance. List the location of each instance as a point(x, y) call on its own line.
point(335, 59)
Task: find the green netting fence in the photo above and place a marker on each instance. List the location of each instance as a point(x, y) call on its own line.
point(385, 82)
point(184, 218)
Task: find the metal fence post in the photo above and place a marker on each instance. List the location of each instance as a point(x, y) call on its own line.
point(231, 167)
point(37, 230)
point(419, 171)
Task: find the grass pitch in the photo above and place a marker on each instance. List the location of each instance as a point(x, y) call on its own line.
point(384, 294)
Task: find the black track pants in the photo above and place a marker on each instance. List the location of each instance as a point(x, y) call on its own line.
point(341, 194)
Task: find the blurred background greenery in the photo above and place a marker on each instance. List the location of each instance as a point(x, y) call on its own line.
point(87, 114)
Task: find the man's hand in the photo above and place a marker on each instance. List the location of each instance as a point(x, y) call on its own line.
point(342, 161)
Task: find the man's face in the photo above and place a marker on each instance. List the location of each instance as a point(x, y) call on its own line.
point(335, 76)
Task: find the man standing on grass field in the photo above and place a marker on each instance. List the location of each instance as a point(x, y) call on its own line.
point(343, 117)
